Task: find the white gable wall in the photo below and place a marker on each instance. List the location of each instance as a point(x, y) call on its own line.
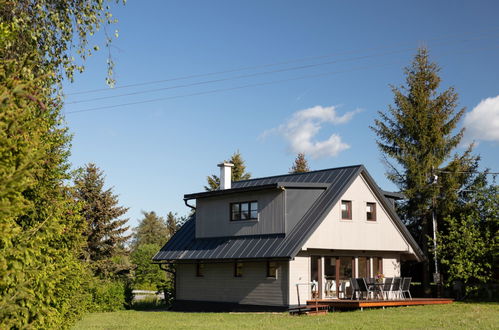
point(358, 233)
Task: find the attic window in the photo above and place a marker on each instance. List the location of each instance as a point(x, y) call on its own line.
point(371, 211)
point(346, 210)
point(244, 211)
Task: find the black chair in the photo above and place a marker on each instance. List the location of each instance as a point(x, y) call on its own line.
point(406, 285)
point(363, 287)
point(386, 287)
point(355, 287)
point(396, 286)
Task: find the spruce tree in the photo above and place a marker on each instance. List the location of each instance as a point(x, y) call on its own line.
point(106, 231)
point(419, 134)
point(152, 229)
point(238, 172)
point(300, 165)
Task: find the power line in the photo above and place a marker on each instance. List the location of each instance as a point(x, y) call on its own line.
point(229, 89)
point(468, 172)
point(267, 65)
point(247, 86)
point(302, 67)
point(237, 77)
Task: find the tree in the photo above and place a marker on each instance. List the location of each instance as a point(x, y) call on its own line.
point(106, 232)
point(300, 165)
point(238, 172)
point(468, 250)
point(418, 134)
point(147, 276)
point(42, 279)
point(152, 229)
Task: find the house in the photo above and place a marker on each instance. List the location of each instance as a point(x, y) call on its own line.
point(268, 242)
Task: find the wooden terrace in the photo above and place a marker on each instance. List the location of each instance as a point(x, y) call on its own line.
point(355, 304)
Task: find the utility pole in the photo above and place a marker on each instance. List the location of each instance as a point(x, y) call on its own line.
point(436, 274)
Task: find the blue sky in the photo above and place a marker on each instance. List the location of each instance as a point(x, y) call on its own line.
point(320, 71)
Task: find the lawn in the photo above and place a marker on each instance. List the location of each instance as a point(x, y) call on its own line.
point(453, 316)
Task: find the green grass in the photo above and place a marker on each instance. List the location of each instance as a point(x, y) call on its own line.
point(453, 316)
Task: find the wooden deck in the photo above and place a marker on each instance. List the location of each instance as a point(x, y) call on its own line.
point(354, 304)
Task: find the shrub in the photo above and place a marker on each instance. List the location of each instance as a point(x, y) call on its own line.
point(107, 296)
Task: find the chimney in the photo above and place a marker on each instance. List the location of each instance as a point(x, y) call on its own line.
point(225, 175)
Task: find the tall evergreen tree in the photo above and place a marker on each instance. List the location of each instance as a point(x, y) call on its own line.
point(418, 134)
point(106, 232)
point(238, 172)
point(172, 224)
point(300, 164)
point(152, 229)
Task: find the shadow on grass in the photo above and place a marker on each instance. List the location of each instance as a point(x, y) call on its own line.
point(152, 304)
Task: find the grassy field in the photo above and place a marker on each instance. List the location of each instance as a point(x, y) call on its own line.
point(454, 316)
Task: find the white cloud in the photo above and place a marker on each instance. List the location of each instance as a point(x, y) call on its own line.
point(300, 130)
point(482, 123)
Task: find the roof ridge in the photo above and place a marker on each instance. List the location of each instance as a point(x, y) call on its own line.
point(290, 174)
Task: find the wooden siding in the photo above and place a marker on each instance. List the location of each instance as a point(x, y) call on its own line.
point(299, 272)
point(219, 284)
point(359, 233)
point(213, 215)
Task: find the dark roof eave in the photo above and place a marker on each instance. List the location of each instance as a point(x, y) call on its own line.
point(230, 191)
point(277, 185)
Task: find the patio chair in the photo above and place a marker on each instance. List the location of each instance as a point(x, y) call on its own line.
point(355, 287)
point(386, 287)
point(361, 282)
point(396, 286)
point(406, 285)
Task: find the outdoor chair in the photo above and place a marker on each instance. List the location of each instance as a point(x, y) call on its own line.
point(361, 282)
point(387, 287)
point(355, 288)
point(396, 286)
point(406, 285)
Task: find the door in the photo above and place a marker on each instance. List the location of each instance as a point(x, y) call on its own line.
point(316, 277)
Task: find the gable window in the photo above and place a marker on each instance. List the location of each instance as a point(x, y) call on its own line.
point(199, 269)
point(272, 269)
point(371, 211)
point(238, 269)
point(244, 211)
point(346, 210)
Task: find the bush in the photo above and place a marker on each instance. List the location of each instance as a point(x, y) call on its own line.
point(107, 296)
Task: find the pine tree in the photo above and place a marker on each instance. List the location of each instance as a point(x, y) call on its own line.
point(172, 224)
point(300, 165)
point(418, 133)
point(106, 232)
point(238, 172)
point(152, 229)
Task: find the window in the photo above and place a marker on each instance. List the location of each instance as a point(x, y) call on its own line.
point(272, 269)
point(238, 269)
point(377, 266)
point(371, 211)
point(346, 210)
point(244, 211)
point(199, 269)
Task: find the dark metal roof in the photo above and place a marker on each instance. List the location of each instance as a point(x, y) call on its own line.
point(246, 188)
point(184, 245)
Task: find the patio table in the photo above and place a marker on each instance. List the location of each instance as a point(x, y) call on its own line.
point(376, 287)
